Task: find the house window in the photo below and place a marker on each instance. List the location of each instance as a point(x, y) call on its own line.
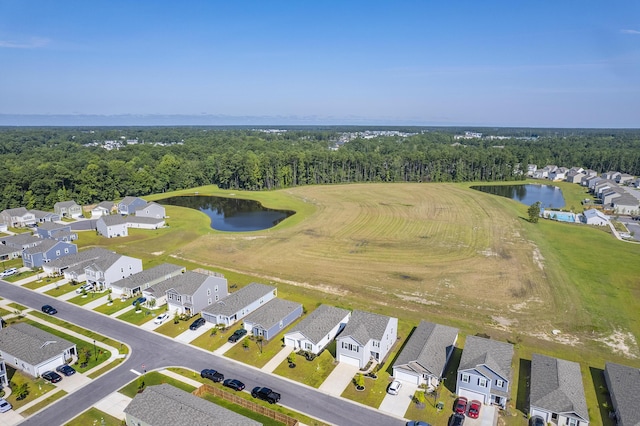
point(57, 252)
point(500, 383)
point(307, 346)
point(208, 292)
point(216, 297)
point(280, 325)
point(216, 289)
point(572, 421)
point(482, 382)
point(209, 301)
point(554, 416)
point(66, 250)
point(464, 378)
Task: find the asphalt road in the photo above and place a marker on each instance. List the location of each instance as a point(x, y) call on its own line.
point(156, 352)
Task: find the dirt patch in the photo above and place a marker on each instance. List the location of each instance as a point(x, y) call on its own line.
point(565, 339)
point(417, 299)
point(622, 343)
point(157, 253)
point(538, 259)
point(503, 323)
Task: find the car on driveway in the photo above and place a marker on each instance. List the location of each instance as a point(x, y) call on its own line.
point(394, 387)
point(474, 409)
point(461, 405)
point(210, 374)
point(48, 309)
point(456, 419)
point(4, 406)
point(417, 423)
point(234, 384)
point(8, 272)
point(237, 335)
point(161, 318)
point(65, 369)
point(197, 324)
point(85, 287)
point(51, 376)
point(537, 421)
point(140, 300)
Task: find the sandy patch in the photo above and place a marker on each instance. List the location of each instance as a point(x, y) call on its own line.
point(488, 253)
point(157, 253)
point(622, 343)
point(538, 259)
point(417, 299)
point(565, 339)
point(503, 322)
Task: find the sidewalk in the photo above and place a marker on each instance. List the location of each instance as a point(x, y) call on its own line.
point(277, 359)
point(181, 378)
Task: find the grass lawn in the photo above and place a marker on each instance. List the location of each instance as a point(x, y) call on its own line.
point(374, 392)
point(90, 297)
point(254, 354)
point(137, 318)
point(41, 283)
point(19, 276)
point(17, 306)
point(153, 378)
point(4, 312)
point(93, 416)
point(48, 400)
point(36, 387)
point(115, 307)
point(311, 373)
point(430, 413)
point(172, 330)
point(60, 290)
point(99, 372)
point(212, 342)
point(265, 421)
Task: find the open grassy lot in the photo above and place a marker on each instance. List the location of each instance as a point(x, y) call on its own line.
point(94, 416)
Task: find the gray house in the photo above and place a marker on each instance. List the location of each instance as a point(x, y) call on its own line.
point(104, 208)
point(17, 217)
point(141, 281)
point(20, 241)
point(366, 337)
point(8, 252)
point(112, 226)
point(424, 358)
point(623, 383)
point(191, 292)
point(556, 392)
point(485, 371)
point(67, 209)
point(74, 263)
point(47, 251)
point(166, 405)
point(272, 317)
point(109, 268)
point(239, 304)
point(151, 209)
point(128, 205)
point(44, 217)
point(32, 350)
point(56, 231)
point(318, 329)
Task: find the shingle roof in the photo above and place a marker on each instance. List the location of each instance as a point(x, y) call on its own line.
point(79, 258)
point(187, 283)
point(31, 344)
point(496, 355)
point(556, 386)
point(104, 262)
point(18, 211)
point(426, 349)
point(128, 200)
point(45, 245)
point(624, 387)
point(20, 240)
point(364, 326)
point(239, 299)
point(109, 205)
point(145, 220)
point(148, 275)
point(7, 250)
point(272, 312)
point(112, 220)
point(66, 203)
point(166, 405)
point(39, 214)
point(320, 322)
point(52, 226)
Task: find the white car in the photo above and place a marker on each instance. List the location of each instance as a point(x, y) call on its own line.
point(394, 387)
point(161, 318)
point(87, 287)
point(4, 406)
point(8, 272)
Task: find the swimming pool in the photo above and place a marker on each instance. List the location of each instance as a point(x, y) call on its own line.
point(560, 216)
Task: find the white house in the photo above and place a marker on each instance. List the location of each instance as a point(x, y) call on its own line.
point(3, 371)
point(189, 293)
point(239, 304)
point(595, 217)
point(151, 209)
point(366, 337)
point(17, 217)
point(104, 208)
point(110, 268)
point(318, 329)
point(112, 226)
point(138, 282)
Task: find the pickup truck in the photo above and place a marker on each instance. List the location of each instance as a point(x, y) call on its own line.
point(265, 394)
point(210, 374)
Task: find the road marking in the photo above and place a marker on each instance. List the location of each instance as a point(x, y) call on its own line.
point(135, 372)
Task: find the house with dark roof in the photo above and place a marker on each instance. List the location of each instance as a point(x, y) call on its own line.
point(167, 405)
point(623, 383)
point(189, 293)
point(21, 241)
point(56, 231)
point(18, 217)
point(143, 280)
point(8, 252)
point(112, 226)
point(485, 371)
point(366, 337)
point(104, 208)
point(424, 358)
point(626, 204)
point(32, 350)
point(44, 217)
point(109, 268)
point(72, 266)
point(272, 317)
point(67, 209)
point(151, 209)
point(47, 251)
point(556, 392)
point(128, 205)
point(238, 304)
point(317, 329)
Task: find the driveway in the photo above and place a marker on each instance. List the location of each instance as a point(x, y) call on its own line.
point(71, 383)
point(189, 335)
point(398, 404)
point(339, 378)
point(488, 417)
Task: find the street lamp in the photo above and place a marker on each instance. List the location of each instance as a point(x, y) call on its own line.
point(95, 351)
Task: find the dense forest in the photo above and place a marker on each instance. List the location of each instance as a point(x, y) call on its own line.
point(45, 165)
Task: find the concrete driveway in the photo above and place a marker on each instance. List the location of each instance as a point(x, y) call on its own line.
point(488, 417)
point(189, 335)
point(339, 378)
point(398, 404)
point(73, 382)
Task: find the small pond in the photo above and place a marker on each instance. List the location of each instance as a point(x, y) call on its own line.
point(549, 196)
point(231, 214)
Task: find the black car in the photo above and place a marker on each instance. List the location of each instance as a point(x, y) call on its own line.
point(265, 394)
point(197, 324)
point(234, 384)
point(210, 374)
point(237, 335)
point(537, 421)
point(456, 419)
point(65, 369)
point(48, 309)
point(51, 376)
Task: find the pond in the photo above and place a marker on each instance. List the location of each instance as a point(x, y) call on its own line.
point(231, 214)
point(549, 196)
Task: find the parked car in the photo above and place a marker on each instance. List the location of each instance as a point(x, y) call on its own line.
point(8, 272)
point(537, 421)
point(456, 419)
point(4, 406)
point(161, 318)
point(48, 309)
point(461, 405)
point(197, 324)
point(234, 384)
point(394, 387)
point(210, 374)
point(84, 287)
point(51, 376)
point(139, 299)
point(237, 335)
point(474, 409)
point(417, 423)
point(265, 394)
point(65, 369)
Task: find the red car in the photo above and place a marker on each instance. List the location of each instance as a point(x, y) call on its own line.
point(461, 405)
point(474, 409)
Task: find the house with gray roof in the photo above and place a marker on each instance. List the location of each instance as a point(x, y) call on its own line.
point(109, 268)
point(595, 217)
point(556, 392)
point(32, 350)
point(18, 217)
point(143, 280)
point(44, 217)
point(626, 204)
point(112, 226)
point(56, 231)
point(623, 383)
point(366, 337)
point(167, 405)
point(145, 222)
point(104, 208)
point(272, 317)
point(67, 209)
point(317, 329)
point(8, 252)
point(20, 241)
point(47, 251)
point(72, 266)
point(128, 205)
point(151, 209)
point(191, 292)
point(424, 358)
point(238, 304)
point(485, 371)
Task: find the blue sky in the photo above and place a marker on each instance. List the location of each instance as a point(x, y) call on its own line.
point(477, 63)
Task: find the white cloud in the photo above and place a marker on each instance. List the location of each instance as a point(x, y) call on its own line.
point(634, 32)
point(33, 43)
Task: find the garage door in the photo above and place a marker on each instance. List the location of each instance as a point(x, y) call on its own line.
point(469, 394)
point(406, 376)
point(50, 365)
point(290, 342)
point(349, 360)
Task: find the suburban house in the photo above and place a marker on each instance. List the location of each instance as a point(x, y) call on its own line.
point(9, 252)
point(145, 222)
point(67, 209)
point(595, 217)
point(318, 329)
point(56, 231)
point(167, 405)
point(189, 293)
point(109, 268)
point(72, 266)
point(574, 176)
point(18, 217)
point(143, 280)
point(623, 383)
point(272, 317)
point(104, 208)
point(153, 210)
point(239, 304)
point(32, 350)
point(47, 251)
point(556, 392)
point(611, 175)
point(424, 358)
point(624, 178)
point(3, 371)
point(558, 174)
point(44, 217)
point(128, 205)
point(112, 226)
point(485, 371)
point(20, 241)
point(366, 337)
point(626, 204)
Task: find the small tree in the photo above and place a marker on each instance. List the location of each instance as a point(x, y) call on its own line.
point(534, 212)
point(420, 399)
point(141, 383)
point(151, 303)
point(359, 381)
point(292, 358)
point(109, 298)
point(176, 318)
point(245, 344)
point(22, 390)
point(138, 306)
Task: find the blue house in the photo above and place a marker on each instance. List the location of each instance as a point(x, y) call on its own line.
point(129, 205)
point(46, 251)
point(270, 319)
point(56, 231)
